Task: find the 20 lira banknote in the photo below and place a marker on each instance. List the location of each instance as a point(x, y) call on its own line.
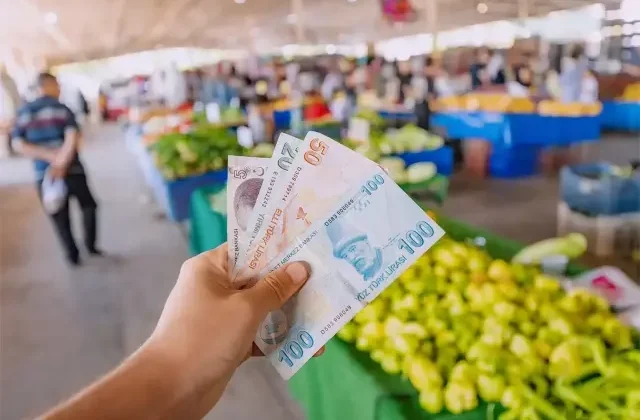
point(370, 236)
point(278, 167)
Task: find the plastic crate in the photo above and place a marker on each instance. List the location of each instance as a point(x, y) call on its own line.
point(606, 234)
point(514, 162)
point(282, 119)
point(442, 158)
point(620, 115)
point(208, 229)
point(593, 190)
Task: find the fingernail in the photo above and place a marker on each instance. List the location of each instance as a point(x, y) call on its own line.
point(298, 271)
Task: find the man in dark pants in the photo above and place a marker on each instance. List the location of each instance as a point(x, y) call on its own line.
point(47, 132)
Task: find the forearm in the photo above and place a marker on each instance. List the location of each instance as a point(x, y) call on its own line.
point(33, 151)
point(70, 145)
point(148, 385)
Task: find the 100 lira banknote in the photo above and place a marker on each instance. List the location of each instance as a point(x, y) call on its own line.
point(245, 180)
point(278, 166)
point(321, 172)
point(357, 248)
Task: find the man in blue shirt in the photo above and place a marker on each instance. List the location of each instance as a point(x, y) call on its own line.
point(47, 132)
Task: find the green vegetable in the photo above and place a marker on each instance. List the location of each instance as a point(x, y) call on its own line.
point(460, 396)
point(573, 245)
point(491, 387)
point(432, 400)
point(421, 171)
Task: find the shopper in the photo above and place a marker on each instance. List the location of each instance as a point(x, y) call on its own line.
point(572, 75)
point(47, 132)
point(204, 334)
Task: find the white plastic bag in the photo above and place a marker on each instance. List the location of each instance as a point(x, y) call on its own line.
point(54, 193)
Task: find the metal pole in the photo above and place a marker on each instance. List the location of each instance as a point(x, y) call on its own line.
point(297, 8)
point(523, 9)
point(431, 8)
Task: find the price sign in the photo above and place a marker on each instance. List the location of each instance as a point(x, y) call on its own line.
point(359, 130)
point(245, 137)
point(212, 112)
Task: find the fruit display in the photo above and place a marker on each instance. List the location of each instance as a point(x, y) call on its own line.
point(631, 93)
point(575, 109)
point(464, 328)
point(205, 148)
point(490, 102)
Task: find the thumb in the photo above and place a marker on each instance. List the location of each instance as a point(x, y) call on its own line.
point(271, 292)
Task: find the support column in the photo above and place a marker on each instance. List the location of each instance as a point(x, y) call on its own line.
point(431, 8)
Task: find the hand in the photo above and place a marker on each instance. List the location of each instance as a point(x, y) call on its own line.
point(207, 326)
point(57, 170)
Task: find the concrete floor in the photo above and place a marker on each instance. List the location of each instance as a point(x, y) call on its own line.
point(62, 328)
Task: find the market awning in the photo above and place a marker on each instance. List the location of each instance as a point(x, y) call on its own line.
point(77, 30)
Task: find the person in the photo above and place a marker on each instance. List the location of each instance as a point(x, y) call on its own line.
point(572, 75)
point(47, 132)
point(205, 332)
point(488, 69)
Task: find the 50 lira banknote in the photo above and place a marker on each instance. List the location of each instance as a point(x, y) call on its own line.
point(356, 248)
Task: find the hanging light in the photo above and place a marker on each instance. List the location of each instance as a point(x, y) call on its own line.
point(482, 8)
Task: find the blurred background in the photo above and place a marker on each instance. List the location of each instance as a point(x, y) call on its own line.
point(512, 121)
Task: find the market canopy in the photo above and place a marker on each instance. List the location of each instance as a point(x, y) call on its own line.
point(60, 31)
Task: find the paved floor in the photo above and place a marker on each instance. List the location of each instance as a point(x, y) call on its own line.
point(62, 328)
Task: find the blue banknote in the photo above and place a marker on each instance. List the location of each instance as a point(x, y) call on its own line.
point(373, 234)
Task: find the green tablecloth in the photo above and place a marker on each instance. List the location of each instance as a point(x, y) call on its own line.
point(346, 383)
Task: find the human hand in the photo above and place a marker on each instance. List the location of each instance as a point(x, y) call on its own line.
point(207, 326)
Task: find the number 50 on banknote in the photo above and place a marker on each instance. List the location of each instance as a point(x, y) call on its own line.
point(370, 236)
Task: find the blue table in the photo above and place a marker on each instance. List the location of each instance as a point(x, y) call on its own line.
point(511, 129)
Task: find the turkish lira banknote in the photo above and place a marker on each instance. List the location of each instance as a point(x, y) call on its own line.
point(279, 164)
point(244, 181)
point(356, 248)
point(320, 173)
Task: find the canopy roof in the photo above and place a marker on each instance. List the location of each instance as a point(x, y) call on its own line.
point(77, 30)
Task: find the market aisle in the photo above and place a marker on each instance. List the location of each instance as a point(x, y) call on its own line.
point(61, 328)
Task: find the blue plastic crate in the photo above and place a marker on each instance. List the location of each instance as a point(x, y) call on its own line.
point(282, 119)
point(619, 115)
point(592, 189)
point(514, 162)
point(442, 158)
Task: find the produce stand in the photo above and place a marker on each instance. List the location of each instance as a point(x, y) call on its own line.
point(173, 196)
point(621, 115)
point(345, 383)
point(325, 386)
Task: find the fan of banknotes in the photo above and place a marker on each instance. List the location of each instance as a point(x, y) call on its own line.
point(316, 200)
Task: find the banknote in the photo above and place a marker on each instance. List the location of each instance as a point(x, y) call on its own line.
point(245, 179)
point(283, 154)
point(355, 250)
point(321, 172)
